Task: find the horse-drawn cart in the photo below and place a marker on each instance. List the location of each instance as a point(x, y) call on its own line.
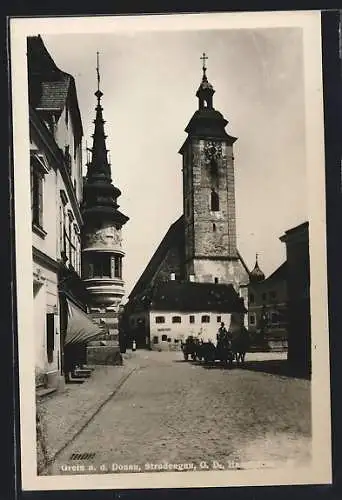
point(226, 350)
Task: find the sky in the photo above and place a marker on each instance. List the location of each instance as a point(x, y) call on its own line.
point(149, 81)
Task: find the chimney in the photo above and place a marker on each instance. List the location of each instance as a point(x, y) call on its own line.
point(172, 276)
point(192, 278)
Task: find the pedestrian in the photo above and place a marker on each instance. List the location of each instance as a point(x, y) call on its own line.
point(134, 346)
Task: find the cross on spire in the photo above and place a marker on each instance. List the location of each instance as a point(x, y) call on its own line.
point(204, 58)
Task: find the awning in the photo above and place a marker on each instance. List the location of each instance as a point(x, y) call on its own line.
point(80, 328)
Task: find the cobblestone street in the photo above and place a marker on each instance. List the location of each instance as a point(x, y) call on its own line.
point(173, 412)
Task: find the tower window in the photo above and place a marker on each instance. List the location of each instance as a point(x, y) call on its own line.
point(214, 227)
point(214, 201)
point(101, 266)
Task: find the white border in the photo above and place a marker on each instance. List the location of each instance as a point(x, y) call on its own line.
point(310, 22)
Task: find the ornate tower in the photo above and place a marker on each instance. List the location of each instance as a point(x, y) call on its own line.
point(209, 195)
point(102, 252)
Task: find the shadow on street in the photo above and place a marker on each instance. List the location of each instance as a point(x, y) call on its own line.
point(271, 366)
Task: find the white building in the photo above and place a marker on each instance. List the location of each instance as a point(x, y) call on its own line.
point(56, 190)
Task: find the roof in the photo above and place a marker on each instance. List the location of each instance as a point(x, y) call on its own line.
point(279, 273)
point(173, 236)
point(50, 87)
point(190, 296)
point(298, 231)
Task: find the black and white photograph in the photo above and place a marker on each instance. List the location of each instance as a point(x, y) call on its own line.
point(169, 189)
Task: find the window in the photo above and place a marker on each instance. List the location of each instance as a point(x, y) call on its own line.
point(192, 319)
point(101, 266)
point(50, 336)
point(214, 227)
point(155, 339)
point(160, 319)
point(216, 280)
point(273, 294)
point(219, 319)
point(263, 296)
point(176, 319)
point(117, 266)
point(36, 194)
point(214, 201)
point(169, 340)
point(252, 319)
point(205, 319)
point(251, 298)
point(164, 338)
point(176, 341)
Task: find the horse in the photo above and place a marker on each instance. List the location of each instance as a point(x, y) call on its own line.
point(240, 345)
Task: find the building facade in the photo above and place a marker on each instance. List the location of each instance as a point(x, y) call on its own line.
point(56, 189)
point(102, 249)
point(267, 312)
point(298, 289)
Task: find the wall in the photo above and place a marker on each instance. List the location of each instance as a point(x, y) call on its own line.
point(64, 136)
point(261, 294)
point(182, 330)
point(299, 339)
point(45, 295)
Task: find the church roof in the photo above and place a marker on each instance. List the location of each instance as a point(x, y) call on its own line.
point(189, 296)
point(173, 236)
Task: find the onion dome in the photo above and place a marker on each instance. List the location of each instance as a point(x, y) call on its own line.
point(256, 275)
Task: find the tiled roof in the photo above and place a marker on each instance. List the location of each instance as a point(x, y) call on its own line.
point(49, 87)
point(189, 296)
point(54, 93)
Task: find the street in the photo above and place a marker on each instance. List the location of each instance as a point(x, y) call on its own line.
point(171, 413)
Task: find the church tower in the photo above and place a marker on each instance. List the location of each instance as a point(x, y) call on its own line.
point(102, 252)
point(211, 253)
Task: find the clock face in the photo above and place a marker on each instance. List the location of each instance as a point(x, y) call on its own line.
point(212, 150)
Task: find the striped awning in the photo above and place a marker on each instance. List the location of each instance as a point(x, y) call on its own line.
point(80, 328)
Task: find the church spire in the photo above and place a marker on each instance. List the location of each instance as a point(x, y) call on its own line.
point(99, 168)
point(205, 91)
